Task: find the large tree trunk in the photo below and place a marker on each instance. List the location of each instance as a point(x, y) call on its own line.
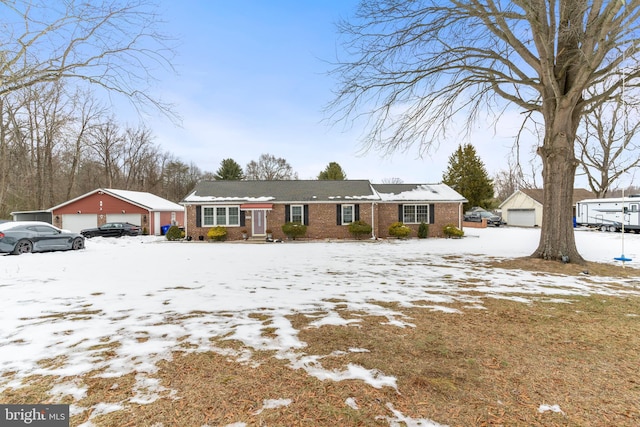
point(557, 241)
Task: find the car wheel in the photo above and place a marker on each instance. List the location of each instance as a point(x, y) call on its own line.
point(78, 243)
point(23, 247)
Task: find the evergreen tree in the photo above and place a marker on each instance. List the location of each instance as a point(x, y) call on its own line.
point(333, 172)
point(467, 175)
point(229, 170)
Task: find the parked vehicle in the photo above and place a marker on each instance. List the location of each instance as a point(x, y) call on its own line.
point(112, 229)
point(478, 216)
point(20, 237)
point(609, 214)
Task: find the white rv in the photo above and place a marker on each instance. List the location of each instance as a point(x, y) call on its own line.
point(610, 214)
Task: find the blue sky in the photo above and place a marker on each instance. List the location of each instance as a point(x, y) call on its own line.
point(253, 79)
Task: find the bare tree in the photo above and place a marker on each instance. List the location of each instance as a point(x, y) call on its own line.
point(269, 168)
point(138, 152)
point(90, 113)
point(45, 114)
point(107, 143)
point(179, 178)
point(394, 180)
point(508, 181)
point(419, 67)
point(111, 44)
point(608, 146)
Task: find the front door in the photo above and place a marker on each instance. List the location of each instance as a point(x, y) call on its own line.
point(258, 222)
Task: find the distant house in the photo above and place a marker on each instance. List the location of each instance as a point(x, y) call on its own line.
point(109, 205)
point(326, 207)
point(524, 208)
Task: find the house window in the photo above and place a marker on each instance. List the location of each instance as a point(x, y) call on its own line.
point(347, 214)
point(415, 214)
point(220, 215)
point(297, 213)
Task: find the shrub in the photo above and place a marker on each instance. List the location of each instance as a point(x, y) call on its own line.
point(145, 232)
point(218, 233)
point(174, 233)
point(451, 230)
point(399, 230)
point(294, 229)
point(423, 230)
point(359, 229)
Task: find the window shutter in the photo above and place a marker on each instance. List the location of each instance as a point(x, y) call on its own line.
point(242, 218)
point(198, 216)
point(356, 213)
point(287, 213)
point(305, 220)
point(400, 213)
point(338, 214)
point(432, 214)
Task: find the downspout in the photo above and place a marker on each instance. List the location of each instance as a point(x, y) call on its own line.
point(185, 220)
point(373, 220)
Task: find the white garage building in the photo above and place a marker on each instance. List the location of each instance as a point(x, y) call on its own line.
point(524, 207)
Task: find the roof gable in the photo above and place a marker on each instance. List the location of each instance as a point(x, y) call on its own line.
point(418, 192)
point(148, 200)
point(144, 200)
point(537, 194)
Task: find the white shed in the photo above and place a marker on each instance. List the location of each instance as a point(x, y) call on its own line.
point(524, 208)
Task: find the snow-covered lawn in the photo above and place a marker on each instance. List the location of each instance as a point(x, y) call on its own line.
point(152, 297)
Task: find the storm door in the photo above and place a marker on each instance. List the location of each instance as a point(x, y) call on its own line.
point(257, 221)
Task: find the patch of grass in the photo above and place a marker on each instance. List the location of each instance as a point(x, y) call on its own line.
point(572, 269)
point(478, 368)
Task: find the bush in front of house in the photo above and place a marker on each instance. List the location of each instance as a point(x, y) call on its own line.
point(218, 233)
point(399, 230)
point(174, 233)
point(451, 230)
point(359, 229)
point(294, 229)
point(423, 230)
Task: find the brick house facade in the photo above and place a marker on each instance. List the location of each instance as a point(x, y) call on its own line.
point(326, 207)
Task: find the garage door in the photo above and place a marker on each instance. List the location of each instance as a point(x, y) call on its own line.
point(77, 222)
point(131, 218)
point(521, 217)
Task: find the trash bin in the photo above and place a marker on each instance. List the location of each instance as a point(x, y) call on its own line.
point(164, 229)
